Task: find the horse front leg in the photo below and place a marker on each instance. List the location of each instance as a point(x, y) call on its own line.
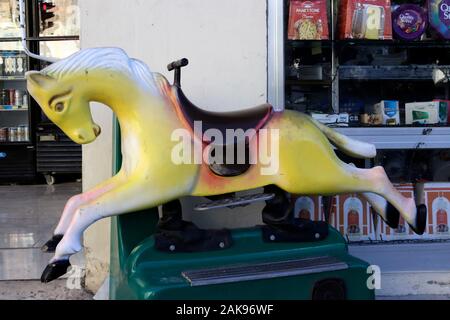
point(134, 194)
point(76, 202)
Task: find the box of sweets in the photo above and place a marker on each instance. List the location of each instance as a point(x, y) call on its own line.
point(355, 218)
point(430, 112)
point(437, 197)
point(308, 20)
point(311, 207)
point(365, 19)
point(447, 102)
point(439, 17)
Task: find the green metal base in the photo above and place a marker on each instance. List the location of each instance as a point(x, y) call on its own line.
point(138, 271)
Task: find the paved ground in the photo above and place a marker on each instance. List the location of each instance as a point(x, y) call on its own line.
point(35, 290)
point(419, 269)
point(28, 215)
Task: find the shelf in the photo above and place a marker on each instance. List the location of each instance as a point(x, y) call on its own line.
point(12, 78)
point(426, 137)
point(408, 72)
point(396, 43)
point(13, 110)
point(308, 43)
point(300, 82)
point(17, 143)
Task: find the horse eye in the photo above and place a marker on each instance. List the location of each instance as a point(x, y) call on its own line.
point(59, 107)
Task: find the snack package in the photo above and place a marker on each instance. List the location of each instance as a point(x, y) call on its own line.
point(409, 21)
point(365, 19)
point(431, 112)
point(439, 17)
point(308, 20)
point(388, 111)
point(448, 109)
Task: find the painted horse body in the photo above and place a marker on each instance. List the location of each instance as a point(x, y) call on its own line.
point(149, 111)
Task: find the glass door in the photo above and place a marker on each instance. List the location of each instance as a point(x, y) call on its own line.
point(14, 98)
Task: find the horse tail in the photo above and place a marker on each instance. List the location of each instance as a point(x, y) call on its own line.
point(349, 146)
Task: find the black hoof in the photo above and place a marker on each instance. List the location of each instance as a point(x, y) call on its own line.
point(50, 245)
point(392, 216)
point(421, 219)
point(55, 270)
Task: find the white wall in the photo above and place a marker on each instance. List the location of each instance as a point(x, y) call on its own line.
point(226, 43)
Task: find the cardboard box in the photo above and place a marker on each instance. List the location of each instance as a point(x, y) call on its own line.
point(365, 19)
point(448, 108)
point(431, 112)
point(439, 17)
point(355, 219)
point(437, 197)
point(308, 20)
point(307, 207)
point(388, 111)
point(311, 207)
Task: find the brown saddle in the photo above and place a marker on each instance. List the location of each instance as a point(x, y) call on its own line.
point(254, 118)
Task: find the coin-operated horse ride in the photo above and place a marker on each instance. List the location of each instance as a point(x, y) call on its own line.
point(165, 257)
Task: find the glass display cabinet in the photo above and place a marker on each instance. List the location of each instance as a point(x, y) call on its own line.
point(30, 145)
point(348, 77)
point(376, 70)
point(16, 143)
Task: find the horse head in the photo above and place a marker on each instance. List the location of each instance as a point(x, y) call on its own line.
point(65, 105)
point(64, 89)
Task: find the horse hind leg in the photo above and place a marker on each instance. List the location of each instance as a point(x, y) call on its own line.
point(380, 187)
point(383, 208)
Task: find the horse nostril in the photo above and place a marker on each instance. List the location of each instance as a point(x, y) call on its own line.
point(97, 130)
point(80, 136)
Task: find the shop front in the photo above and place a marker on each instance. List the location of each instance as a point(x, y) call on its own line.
point(375, 70)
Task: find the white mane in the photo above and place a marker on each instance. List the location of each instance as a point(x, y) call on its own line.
point(114, 59)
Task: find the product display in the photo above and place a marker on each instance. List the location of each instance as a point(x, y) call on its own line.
point(388, 112)
point(371, 119)
point(437, 197)
point(448, 108)
point(308, 20)
point(12, 99)
point(439, 17)
point(409, 21)
point(14, 134)
point(432, 112)
point(12, 64)
point(365, 19)
point(338, 119)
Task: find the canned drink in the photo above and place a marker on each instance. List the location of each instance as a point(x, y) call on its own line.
point(4, 97)
point(20, 133)
point(12, 134)
point(26, 133)
point(3, 134)
point(18, 98)
point(25, 101)
point(12, 95)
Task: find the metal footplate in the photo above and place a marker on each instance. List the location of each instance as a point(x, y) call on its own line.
point(268, 270)
point(234, 201)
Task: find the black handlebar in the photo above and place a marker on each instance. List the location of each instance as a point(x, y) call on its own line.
point(177, 64)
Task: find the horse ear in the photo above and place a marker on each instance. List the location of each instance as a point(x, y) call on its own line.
point(40, 79)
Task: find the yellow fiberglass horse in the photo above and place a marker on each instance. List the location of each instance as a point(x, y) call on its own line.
point(150, 110)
